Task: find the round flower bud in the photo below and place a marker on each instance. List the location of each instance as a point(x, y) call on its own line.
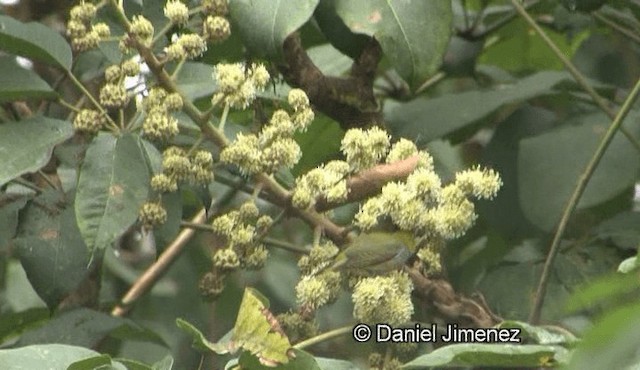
point(259, 75)
point(248, 211)
point(142, 28)
point(215, 7)
point(402, 149)
point(76, 29)
point(112, 74)
point(173, 102)
point(155, 99)
point(87, 42)
point(312, 292)
point(84, 12)
point(192, 44)
point(176, 166)
point(383, 299)
point(102, 29)
point(176, 12)
point(480, 183)
point(89, 121)
point(152, 214)
point(211, 285)
point(113, 96)
point(226, 259)
point(263, 223)
point(158, 124)
point(130, 68)
point(163, 183)
point(303, 118)
point(256, 258)
point(224, 225)
point(243, 235)
point(175, 52)
point(298, 99)
point(216, 29)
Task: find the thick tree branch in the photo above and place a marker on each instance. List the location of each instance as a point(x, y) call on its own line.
point(350, 100)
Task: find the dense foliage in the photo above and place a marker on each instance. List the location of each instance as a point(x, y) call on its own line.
point(254, 184)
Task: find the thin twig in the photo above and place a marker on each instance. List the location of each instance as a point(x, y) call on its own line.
point(323, 337)
point(534, 318)
point(157, 270)
point(616, 27)
point(601, 102)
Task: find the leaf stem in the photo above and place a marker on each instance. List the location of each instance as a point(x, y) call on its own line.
point(616, 27)
point(93, 100)
point(324, 336)
point(534, 318)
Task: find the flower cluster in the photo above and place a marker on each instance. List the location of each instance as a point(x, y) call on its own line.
point(142, 29)
point(297, 327)
point(274, 147)
point(383, 299)
point(178, 167)
point(186, 46)
point(364, 149)
point(243, 248)
point(159, 123)
point(176, 12)
point(421, 204)
point(216, 29)
point(85, 36)
point(215, 7)
point(328, 181)
point(152, 214)
point(315, 291)
point(114, 94)
point(237, 84)
point(89, 121)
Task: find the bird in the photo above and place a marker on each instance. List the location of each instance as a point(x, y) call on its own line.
point(376, 252)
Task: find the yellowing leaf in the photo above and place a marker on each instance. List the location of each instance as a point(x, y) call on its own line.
point(257, 331)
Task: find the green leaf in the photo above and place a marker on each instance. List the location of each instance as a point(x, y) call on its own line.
point(264, 24)
point(519, 49)
point(621, 229)
point(333, 364)
point(13, 324)
point(100, 361)
point(34, 40)
point(429, 119)
point(604, 289)
point(540, 335)
point(113, 184)
point(319, 143)
point(301, 361)
point(612, 343)
point(200, 342)
point(413, 34)
point(195, 80)
point(53, 356)
point(18, 83)
point(551, 163)
point(257, 331)
point(52, 252)
point(498, 355)
point(26, 146)
point(85, 327)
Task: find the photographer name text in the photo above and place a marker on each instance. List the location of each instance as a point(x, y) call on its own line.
point(452, 333)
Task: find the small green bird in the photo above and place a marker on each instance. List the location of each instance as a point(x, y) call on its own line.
point(376, 252)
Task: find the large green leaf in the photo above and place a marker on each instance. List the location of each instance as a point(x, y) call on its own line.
point(264, 24)
point(195, 80)
point(413, 34)
point(113, 184)
point(550, 164)
point(52, 252)
point(612, 343)
point(492, 355)
point(34, 40)
point(17, 83)
point(25, 146)
point(49, 356)
point(336, 31)
point(428, 119)
point(85, 327)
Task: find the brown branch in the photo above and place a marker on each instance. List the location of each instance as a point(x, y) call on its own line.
point(350, 101)
point(369, 182)
point(449, 305)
